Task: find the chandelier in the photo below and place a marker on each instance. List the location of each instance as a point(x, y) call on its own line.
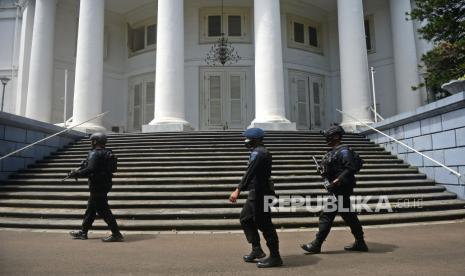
point(222, 52)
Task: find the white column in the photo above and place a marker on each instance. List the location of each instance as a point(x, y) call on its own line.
point(40, 85)
point(405, 57)
point(88, 90)
point(355, 92)
point(269, 74)
point(169, 81)
point(24, 55)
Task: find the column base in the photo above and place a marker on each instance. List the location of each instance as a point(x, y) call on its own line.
point(284, 125)
point(167, 127)
point(89, 128)
point(352, 126)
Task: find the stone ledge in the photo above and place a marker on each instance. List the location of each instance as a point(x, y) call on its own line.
point(445, 105)
point(8, 119)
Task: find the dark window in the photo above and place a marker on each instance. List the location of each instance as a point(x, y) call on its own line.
point(234, 25)
point(214, 25)
point(152, 34)
point(299, 32)
point(138, 42)
point(313, 37)
point(367, 34)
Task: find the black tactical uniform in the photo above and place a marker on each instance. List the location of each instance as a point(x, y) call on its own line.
point(100, 182)
point(339, 163)
point(253, 215)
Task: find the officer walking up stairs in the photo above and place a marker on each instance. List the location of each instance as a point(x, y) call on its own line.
point(99, 168)
point(339, 166)
point(253, 216)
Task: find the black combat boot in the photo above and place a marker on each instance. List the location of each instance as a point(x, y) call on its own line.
point(79, 235)
point(313, 248)
point(275, 258)
point(116, 237)
point(272, 261)
point(358, 245)
point(256, 253)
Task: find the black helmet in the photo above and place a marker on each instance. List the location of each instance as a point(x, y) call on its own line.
point(99, 137)
point(334, 130)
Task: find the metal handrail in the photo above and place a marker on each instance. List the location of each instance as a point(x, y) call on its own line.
point(456, 173)
point(376, 113)
point(51, 136)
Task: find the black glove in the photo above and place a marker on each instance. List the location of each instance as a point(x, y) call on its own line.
point(332, 188)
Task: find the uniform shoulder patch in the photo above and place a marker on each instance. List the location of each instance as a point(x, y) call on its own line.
point(253, 155)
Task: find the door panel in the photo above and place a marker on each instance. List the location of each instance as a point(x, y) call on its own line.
point(141, 101)
point(307, 95)
point(235, 100)
point(223, 99)
point(214, 100)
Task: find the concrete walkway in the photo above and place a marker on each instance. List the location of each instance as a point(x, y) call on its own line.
point(431, 249)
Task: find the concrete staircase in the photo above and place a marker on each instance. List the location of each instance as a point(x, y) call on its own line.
point(181, 181)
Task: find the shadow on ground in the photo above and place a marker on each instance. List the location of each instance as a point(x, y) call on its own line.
point(300, 260)
point(374, 247)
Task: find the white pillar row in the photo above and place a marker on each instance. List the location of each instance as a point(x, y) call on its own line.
point(169, 81)
point(40, 85)
point(405, 57)
point(355, 91)
point(88, 83)
point(24, 55)
point(270, 111)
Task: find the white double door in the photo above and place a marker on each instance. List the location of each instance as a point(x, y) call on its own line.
point(141, 101)
point(307, 100)
point(223, 100)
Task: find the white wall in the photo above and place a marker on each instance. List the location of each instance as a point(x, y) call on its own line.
point(382, 58)
point(8, 65)
point(118, 67)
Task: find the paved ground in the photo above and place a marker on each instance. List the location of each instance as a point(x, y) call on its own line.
point(437, 249)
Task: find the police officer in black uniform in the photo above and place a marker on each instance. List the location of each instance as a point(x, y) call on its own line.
point(100, 182)
point(339, 166)
point(253, 216)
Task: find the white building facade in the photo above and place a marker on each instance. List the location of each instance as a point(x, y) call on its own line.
point(142, 61)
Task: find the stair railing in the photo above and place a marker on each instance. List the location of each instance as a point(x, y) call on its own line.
point(376, 114)
point(51, 136)
point(452, 171)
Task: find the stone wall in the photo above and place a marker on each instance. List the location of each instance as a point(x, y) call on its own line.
point(17, 132)
point(438, 131)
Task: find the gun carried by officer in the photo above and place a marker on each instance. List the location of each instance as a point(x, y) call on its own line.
point(326, 184)
point(70, 174)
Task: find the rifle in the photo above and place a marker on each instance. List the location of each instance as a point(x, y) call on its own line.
point(83, 165)
point(326, 183)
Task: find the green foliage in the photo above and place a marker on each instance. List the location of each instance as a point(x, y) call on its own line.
point(445, 26)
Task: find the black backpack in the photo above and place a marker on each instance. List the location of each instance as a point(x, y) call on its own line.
point(111, 162)
point(358, 161)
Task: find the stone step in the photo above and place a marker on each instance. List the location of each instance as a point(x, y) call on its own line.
point(237, 143)
point(227, 224)
point(211, 195)
point(218, 179)
point(224, 172)
point(204, 162)
point(125, 187)
point(276, 168)
point(195, 158)
point(196, 203)
point(221, 154)
point(238, 146)
point(220, 213)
